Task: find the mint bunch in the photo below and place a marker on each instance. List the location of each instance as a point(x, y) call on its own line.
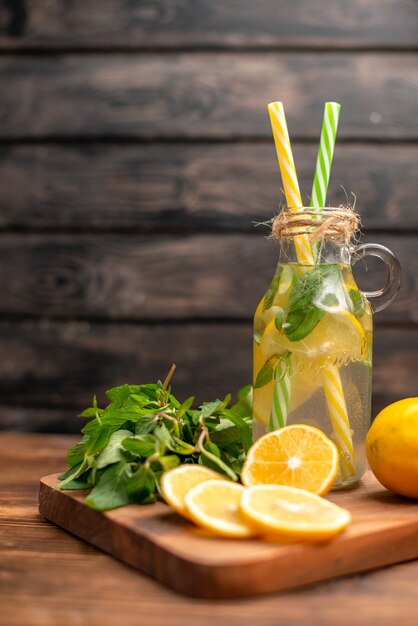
point(144, 431)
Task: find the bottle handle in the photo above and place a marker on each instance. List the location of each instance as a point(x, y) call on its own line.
point(381, 297)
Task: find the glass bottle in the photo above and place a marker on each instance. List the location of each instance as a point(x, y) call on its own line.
point(313, 348)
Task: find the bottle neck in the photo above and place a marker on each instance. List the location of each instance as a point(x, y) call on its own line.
point(324, 252)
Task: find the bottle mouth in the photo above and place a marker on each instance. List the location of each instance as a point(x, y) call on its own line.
point(336, 224)
point(325, 252)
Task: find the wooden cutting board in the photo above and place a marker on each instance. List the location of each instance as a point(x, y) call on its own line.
point(155, 540)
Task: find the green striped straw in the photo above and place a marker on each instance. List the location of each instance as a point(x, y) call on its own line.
point(281, 394)
point(325, 154)
point(324, 159)
point(331, 376)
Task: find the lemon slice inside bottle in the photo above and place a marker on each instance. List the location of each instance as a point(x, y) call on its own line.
point(337, 338)
point(262, 318)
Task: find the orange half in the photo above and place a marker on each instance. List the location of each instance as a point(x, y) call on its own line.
point(297, 456)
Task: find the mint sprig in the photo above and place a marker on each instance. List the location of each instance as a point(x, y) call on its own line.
point(312, 295)
point(143, 431)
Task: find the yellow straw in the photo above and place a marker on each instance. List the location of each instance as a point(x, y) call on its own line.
point(289, 176)
point(339, 419)
point(282, 388)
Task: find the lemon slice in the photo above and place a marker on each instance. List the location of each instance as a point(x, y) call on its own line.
point(215, 505)
point(281, 298)
point(337, 338)
point(293, 514)
point(176, 483)
point(262, 318)
point(297, 455)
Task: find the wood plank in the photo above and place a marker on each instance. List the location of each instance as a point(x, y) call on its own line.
point(90, 358)
point(187, 23)
point(206, 95)
point(42, 452)
point(56, 579)
point(180, 187)
point(157, 541)
point(62, 364)
point(44, 420)
point(162, 277)
point(103, 592)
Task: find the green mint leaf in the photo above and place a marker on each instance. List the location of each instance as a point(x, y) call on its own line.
point(69, 472)
point(85, 452)
point(225, 434)
point(75, 472)
point(164, 437)
point(77, 484)
point(168, 462)
point(141, 445)
point(235, 418)
point(110, 491)
point(212, 448)
point(210, 456)
point(227, 400)
point(272, 290)
point(311, 296)
point(129, 413)
point(81, 482)
point(357, 301)
point(112, 453)
point(140, 487)
point(264, 376)
point(299, 323)
point(91, 427)
point(119, 395)
point(210, 408)
point(182, 447)
point(149, 391)
point(279, 318)
point(75, 455)
point(244, 406)
point(144, 425)
point(183, 408)
point(235, 464)
point(98, 440)
point(172, 401)
point(91, 412)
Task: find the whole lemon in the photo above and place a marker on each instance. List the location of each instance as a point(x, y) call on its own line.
point(392, 447)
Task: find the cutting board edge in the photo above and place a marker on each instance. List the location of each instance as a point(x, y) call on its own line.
point(220, 580)
point(54, 506)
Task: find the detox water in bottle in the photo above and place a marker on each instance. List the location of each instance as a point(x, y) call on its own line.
point(313, 351)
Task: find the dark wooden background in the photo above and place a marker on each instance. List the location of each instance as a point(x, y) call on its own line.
point(135, 157)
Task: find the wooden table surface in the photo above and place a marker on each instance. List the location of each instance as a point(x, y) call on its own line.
point(48, 577)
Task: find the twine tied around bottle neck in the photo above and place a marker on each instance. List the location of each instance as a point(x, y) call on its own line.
point(338, 224)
